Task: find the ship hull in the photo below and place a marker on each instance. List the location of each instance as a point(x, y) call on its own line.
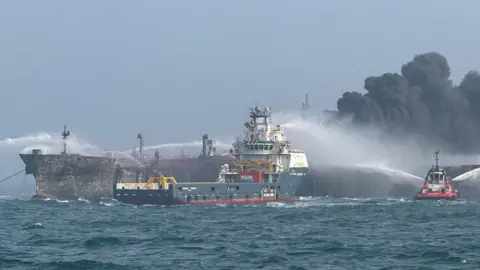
point(451, 196)
point(74, 176)
point(71, 176)
point(213, 193)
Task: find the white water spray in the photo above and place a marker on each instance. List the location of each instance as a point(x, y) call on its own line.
point(122, 156)
point(342, 144)
point(49, 144)
point(472, 175)
point(389, 171)
point(192, 148)
point(26, 140)
point(218, 145)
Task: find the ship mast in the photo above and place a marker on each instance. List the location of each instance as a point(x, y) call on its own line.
point(436, 158)
point(305, 108)
point(305, 105)
point(140, 149)
point(65, 135)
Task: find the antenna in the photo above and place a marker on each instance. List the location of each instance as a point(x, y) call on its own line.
point(306, 104)
point(436, 158)
point(65, 135)
point(140, 150)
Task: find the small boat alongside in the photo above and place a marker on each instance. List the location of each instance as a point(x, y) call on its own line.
point(437, 185)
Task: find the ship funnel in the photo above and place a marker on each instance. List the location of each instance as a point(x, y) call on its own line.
point(204, 144)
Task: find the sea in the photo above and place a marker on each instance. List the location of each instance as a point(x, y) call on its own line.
point(311, 233)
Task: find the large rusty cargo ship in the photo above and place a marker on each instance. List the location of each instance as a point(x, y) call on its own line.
point(70, 175)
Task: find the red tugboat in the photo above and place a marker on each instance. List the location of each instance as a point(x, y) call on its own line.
point(437, 185)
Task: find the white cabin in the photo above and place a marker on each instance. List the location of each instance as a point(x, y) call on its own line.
point(266, 148)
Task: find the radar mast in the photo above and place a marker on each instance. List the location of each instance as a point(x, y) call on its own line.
point(436, 158)
point(305, 105)
point(65, 135)
point(140, 149)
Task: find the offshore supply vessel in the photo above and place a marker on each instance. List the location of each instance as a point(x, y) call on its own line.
point(71, 175)
point(265, 169)
point(437, 185)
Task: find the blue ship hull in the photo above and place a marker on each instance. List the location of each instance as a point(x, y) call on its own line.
point(283, 190)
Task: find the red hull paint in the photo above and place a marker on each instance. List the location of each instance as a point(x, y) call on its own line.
point(210, 202)
point(436, 195)
point(240, 201)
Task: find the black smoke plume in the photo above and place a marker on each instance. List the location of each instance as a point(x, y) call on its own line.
point(421, 100)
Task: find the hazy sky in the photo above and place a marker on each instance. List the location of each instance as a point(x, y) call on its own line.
point(176, 69)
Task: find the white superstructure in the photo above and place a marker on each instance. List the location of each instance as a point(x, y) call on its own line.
point(265, 148)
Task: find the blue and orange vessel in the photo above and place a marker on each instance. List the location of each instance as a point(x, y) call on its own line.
point(437, 185)
point(265, 169)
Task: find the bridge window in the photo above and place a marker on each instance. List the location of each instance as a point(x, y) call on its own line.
point(437, 178)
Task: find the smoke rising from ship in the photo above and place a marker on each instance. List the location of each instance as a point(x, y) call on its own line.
point(422, 100)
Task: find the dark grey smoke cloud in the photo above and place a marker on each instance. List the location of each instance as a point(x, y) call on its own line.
point(421, 100)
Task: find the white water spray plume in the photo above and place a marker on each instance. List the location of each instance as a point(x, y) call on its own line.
point(192, 146)
point(340, 143)
point(25, 140)
point(54, 145)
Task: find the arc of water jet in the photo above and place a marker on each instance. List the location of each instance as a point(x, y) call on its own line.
point(470, 175)
point(218, 144)
point(40, 137)
point(385, 169)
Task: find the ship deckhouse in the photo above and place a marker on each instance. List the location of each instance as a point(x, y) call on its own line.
point(260, 138)
point(436, 176)
point(263, 151)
